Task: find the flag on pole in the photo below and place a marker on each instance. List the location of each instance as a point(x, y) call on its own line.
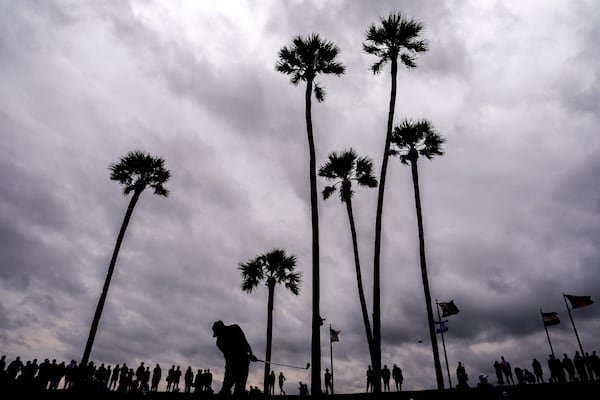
point(550, 318)
point(443, 326)
point(449, 308)
point(579, 301)
point(334, 335)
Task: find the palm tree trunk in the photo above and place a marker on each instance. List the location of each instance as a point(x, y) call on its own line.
point(436, 354)
point(271, 286)
point(316, 314)
point(111, 268)
point(361, 294)
point(378, 228)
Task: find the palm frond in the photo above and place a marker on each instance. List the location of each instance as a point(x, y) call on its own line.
point(411, 139)
point(138, 170)
point(328, 191)
point(395, 36)
point(319, 92)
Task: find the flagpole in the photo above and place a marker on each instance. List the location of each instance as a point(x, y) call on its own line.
point(574, 328)
point(547, 334)
point(331, 359)
point(443, 343)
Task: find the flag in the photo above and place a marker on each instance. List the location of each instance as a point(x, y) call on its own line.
point(443, 326)
point(550, 318)
point(333, 335)
point(449, 308)
point(579, 301)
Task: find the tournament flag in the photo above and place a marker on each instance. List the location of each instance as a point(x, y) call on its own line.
point(334, 335)
point(443, 326)
point(449, 308)
point(579, 301)
point(550, 318)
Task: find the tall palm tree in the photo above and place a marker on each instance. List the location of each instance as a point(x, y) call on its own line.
point(343, 168)
point(274, 267)
point(135, 171)
point(395, 37)
point(409, 141)
point(304, 60)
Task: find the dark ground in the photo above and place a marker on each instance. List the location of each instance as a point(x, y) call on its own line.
point(578, 391)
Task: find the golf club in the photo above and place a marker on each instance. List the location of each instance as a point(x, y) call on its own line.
point(285, 365)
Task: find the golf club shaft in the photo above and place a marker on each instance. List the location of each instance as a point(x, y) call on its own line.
point(284, 365)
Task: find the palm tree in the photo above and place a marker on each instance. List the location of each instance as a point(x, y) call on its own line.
point(303, 61)
point(274, 267)
point(135, 171)
point(395, 37)
point(409, 141)
point(343, 168)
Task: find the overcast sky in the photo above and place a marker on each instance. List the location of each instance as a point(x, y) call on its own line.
point(511, 211)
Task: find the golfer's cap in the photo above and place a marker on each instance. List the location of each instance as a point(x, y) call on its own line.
point(216, 326)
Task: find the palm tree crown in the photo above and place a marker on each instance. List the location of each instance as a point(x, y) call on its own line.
point(397, 36)
point(274, 267)
point(138, 170)
point(346, 167)
point(308, 57)
point(412, 139)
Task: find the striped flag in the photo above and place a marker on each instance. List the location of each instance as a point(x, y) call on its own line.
point(579, 301)
point(334, 335)
point(550, 318)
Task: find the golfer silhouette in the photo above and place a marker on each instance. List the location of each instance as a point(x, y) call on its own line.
point(238, 354)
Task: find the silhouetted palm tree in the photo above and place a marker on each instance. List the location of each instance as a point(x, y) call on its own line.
point(344, 168)
point(304, 60)
point(135, 171)
point(409, 141)
point(395, 37)
point(274, 267)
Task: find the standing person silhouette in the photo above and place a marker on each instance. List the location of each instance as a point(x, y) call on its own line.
point(398, 377)
point(537, 370)
point(385, 376)
point(281, 381)
point(507, 369)
point(328, 383)
point(238, 354)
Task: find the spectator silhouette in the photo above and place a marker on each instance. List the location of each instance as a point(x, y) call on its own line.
point(580, 367)
point(385, 377)
point(170, 377)
point(176, 378)
point(520, 376)
point(237, 353)
point(507, 370)
point(14, 368)
point(537, 370)
point(556, 369)
point(499, 373)
point(71, 373)
point(156, 375)
point(328, 382)
point(188, 379)
point(369, 379)
point(398, 377)
point(303, 389)
point(139, 374)
point(529, 376)
point(569, 367)
point(461, 375)
point(281, 382)
point(594, 361)
point(272, 379)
